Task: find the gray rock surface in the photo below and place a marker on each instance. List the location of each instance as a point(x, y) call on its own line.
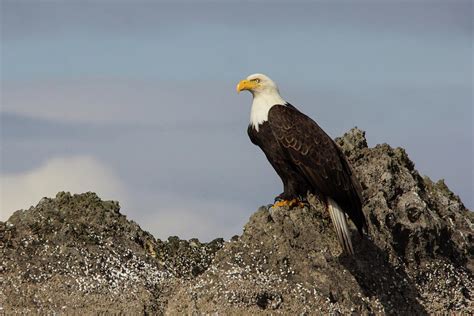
point(78, 254)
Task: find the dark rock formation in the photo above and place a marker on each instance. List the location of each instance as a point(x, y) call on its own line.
point(79, 254)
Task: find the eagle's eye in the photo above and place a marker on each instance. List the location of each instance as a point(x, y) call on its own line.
point(256, 80)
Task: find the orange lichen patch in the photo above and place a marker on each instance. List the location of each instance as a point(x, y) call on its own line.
point(150, 249)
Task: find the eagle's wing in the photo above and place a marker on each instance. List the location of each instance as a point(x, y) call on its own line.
point(319, 158)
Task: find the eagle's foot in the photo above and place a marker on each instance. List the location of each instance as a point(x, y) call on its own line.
point(289, 203)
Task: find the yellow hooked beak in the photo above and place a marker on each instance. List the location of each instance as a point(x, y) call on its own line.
point(246, 85)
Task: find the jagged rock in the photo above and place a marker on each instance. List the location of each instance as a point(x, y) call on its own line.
point(417, 259)
point(79, 254)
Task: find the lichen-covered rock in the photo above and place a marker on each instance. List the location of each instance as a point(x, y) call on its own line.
point(78, 254)
point(422, 226)
point(410, 217)
point(417, 258)
point(285, 262)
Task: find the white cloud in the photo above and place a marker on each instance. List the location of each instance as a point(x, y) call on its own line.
point(162, 213)
point(74, 174)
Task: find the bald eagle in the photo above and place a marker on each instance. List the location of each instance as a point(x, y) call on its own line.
point(304, 156)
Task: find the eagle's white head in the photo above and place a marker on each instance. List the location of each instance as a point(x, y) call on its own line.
point(265, 95)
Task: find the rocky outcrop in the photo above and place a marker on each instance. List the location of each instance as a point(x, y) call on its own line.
point(417, 258)
point(79, 254)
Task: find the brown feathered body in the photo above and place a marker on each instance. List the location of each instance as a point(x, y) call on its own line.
point(308, 160)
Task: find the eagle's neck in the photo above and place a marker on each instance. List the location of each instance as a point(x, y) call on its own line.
point(261, 105)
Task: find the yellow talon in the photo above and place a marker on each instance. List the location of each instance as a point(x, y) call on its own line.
point(281, 203)
point(289, 203)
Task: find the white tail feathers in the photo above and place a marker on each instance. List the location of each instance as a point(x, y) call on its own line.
point(339, 220)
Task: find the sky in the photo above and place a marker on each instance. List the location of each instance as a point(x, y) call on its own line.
point(135, 100)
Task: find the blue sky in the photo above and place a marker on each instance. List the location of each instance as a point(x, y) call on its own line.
point(136, 99)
